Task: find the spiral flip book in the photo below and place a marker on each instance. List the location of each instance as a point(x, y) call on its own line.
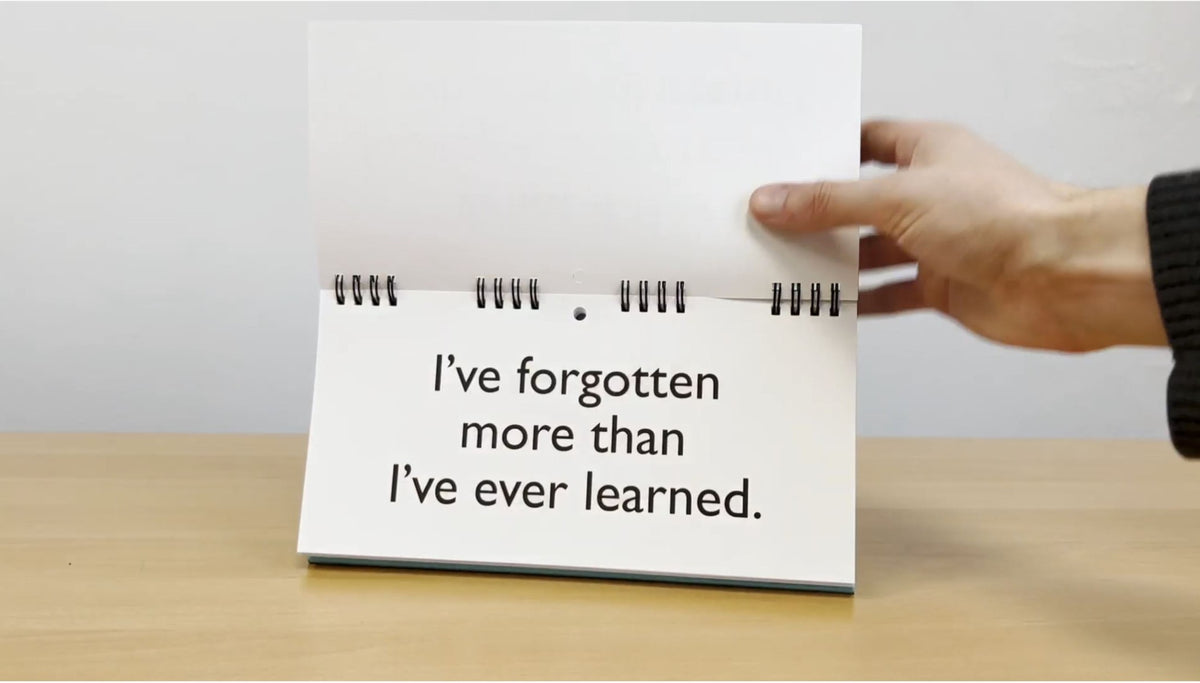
point(551, 338)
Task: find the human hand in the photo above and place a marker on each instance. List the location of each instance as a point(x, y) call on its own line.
point(1008, 254)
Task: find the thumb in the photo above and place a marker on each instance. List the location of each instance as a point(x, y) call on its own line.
point(805, 207)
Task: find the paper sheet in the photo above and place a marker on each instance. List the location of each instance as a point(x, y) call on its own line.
point(776, 420)
point(580, 153)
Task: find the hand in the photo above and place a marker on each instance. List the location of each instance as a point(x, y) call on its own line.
point(1011, 256)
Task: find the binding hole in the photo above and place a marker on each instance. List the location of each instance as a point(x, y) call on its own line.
point(339, 289)
point(356, 289)
point(580, 313)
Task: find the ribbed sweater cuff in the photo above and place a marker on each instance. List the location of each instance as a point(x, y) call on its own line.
point(1173, 217)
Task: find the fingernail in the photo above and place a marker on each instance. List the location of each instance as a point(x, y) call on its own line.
point(768, 200)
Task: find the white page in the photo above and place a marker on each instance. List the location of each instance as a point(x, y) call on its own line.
point(782, 418)
point(580, 153)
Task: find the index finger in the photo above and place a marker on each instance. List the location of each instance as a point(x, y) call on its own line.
point(896, 142)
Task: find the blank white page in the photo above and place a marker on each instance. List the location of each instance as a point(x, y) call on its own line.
point(580, 153)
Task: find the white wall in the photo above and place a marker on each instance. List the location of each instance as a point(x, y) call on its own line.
point(158, 265)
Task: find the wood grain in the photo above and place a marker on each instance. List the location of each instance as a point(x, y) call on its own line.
point(134, 557)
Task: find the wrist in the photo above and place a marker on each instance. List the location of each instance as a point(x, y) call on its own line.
point(1103, 237)
point(1101, 272)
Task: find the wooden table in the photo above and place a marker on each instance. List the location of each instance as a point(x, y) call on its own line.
point(174, 557)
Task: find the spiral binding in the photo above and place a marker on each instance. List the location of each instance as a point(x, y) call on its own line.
point(514, 288)
point(356, 290)
point(644, 296)
point(814, 307)
point(517, 300)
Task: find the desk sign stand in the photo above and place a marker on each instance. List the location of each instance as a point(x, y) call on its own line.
point(551, 340)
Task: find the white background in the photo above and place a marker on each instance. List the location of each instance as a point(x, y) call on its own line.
point(158, 261)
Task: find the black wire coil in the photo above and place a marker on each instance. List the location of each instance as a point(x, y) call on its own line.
point(814, 301)
point(498, 289)
point(644, 296)
point(356, 290)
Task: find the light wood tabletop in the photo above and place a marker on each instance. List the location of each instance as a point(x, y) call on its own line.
point(174, 557)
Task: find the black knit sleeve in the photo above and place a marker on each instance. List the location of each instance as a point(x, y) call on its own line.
point(1173, 217)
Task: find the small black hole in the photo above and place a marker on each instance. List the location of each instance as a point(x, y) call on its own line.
point(580, 313)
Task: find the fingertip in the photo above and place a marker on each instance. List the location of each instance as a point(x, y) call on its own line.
point(769, 199)
point(767, 202)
